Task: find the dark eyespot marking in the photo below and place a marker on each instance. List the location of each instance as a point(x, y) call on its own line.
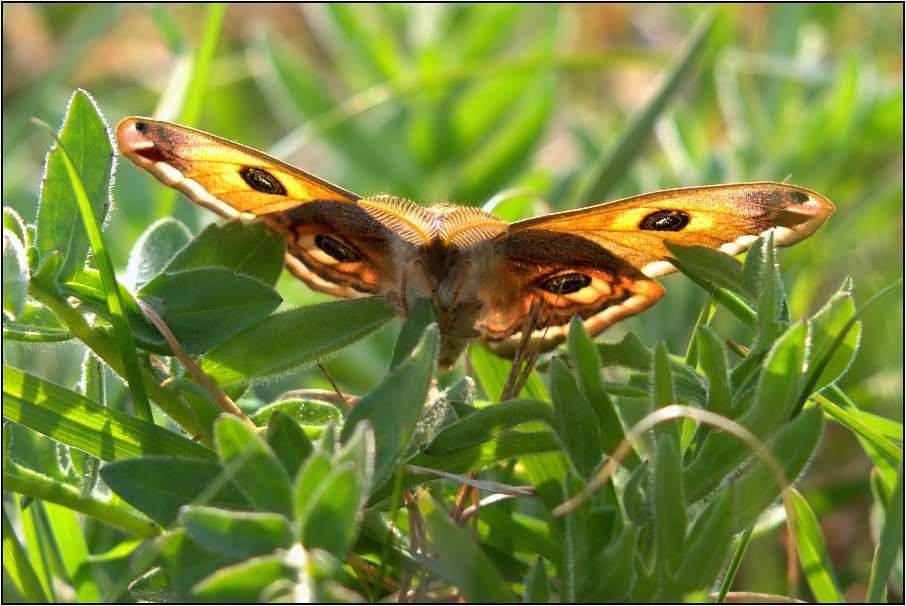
point(665, 220)
point(261, 180)
point(332, 247)
point(141, 127)
point(798, 197)
point(565, 284)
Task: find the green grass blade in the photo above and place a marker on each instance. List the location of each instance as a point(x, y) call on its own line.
point(75, 420)
point(17, 565)
point(611, 167)
point(816, 563)
point(891, 542)
point(105, 265)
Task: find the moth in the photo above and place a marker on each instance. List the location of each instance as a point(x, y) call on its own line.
point(482, 273)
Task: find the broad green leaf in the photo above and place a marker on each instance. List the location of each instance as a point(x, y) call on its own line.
point(87, 286)
point(616, 566)
point(777, 393)
point(825, 326)
point(237, 534)
point(529, 532)
point(713, 360)
point(186, 562)
point(159, 486)
point(715, 268)
point(254, 250)
point(290, 444)
point(266, 349)
point(669, 511)
point(253, 466)
point(204, 307)
point(576, 558)
point(59, 225)
point(394, 406)
point(305, 412)
point(792, 448)
point(537, 585)
point(662, 393)
point(15, 275)
point(631, 353)
point(14, 223)
point(816, 562)
point(771, 308)
point(708, 543)
point(587, 369)
point(242, 582)
point(487, 422)
point(37, 324)
point(417, 320)
point(574, 421)
point(469, 569)
point(154, 249)
point(75, 420)
point(331, 515)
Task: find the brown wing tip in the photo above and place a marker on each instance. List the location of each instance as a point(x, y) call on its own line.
point(134, 143)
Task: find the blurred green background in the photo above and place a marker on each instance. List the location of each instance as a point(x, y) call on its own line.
point(524, 105)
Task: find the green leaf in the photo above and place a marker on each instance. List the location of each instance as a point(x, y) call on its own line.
point(417, 320)
point(485, 423)
point(263, 349)
point(713, 360)
point(708, 543)
point(616, 569)
point(75, 420)
point(36, 324)
point(537, 585)
point(587, 369)
point(469, 569)
point(574, 420)
point(310, 413)
point(60, 226)
point(154, 249)
point(255, 469)
point(714, 268)
point(204, 307)
point(791, 448)
point(237, 534)
point(18, 566)
point(816, 562)
point(148, 484)
point(254, 250)
point(776, 395)
point(772, 307)
point(394, 406)
point(242, 582)
point(631, 353)
point(66, 532)
point(290, 444)
point(15, 275)
point(14, 223)
point(669, 511)
point(329, 521)
point(891, 543)
point(825, 326)
point(662, 394)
